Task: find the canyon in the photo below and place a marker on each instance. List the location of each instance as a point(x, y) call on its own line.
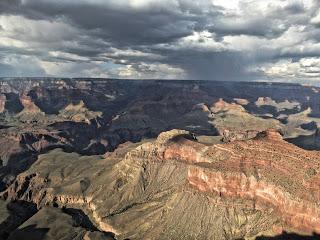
point(152, 159)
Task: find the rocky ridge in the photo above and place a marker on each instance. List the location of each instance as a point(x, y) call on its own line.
point(170, 186)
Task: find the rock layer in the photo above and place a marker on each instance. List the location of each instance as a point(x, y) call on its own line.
point(149, 190)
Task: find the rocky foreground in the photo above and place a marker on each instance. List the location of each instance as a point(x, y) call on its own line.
point(175, 187)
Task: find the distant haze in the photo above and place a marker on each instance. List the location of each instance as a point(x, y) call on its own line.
point(232, 40)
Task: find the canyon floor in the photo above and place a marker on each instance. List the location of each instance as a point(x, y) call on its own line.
point(130, 159)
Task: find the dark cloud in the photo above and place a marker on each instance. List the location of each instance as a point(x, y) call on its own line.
point(224, 40)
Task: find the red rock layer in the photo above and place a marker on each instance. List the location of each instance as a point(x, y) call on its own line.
point(300, 215)
point(221, 105)
point(268, 170)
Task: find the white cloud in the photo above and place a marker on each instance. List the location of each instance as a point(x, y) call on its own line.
point(229, 5)
point(151, 71)
point(295, 36)
point(316, 19)
point(123, 53)
point(75, 69)
point(34, 32)
point(304, 69)
point(201, 40)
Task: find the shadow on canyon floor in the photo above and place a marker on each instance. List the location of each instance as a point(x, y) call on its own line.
point(32, 230)
point(290, 236)
point(19, 211)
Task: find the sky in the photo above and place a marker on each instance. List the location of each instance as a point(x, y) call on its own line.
point(226, 40)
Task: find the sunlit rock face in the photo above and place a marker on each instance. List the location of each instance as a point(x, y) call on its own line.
point(2, 102)
point(143, 189)
point(234, 122)
point(29, 105)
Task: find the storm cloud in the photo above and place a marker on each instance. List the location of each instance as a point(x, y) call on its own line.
point(234, 40)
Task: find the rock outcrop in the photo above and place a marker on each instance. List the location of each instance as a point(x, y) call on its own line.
point(79, 113)
point(29, 106)
point(233, 122)
point(176, 186)
point(2, 102)
point(280, 106)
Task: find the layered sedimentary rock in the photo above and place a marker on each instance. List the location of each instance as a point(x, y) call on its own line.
point(79, 113)
point(29, 106)
point(30, 110)
point(233, 122)
point(93, 116)
point(180, 184)
point(175, 187)
point(280, 106)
